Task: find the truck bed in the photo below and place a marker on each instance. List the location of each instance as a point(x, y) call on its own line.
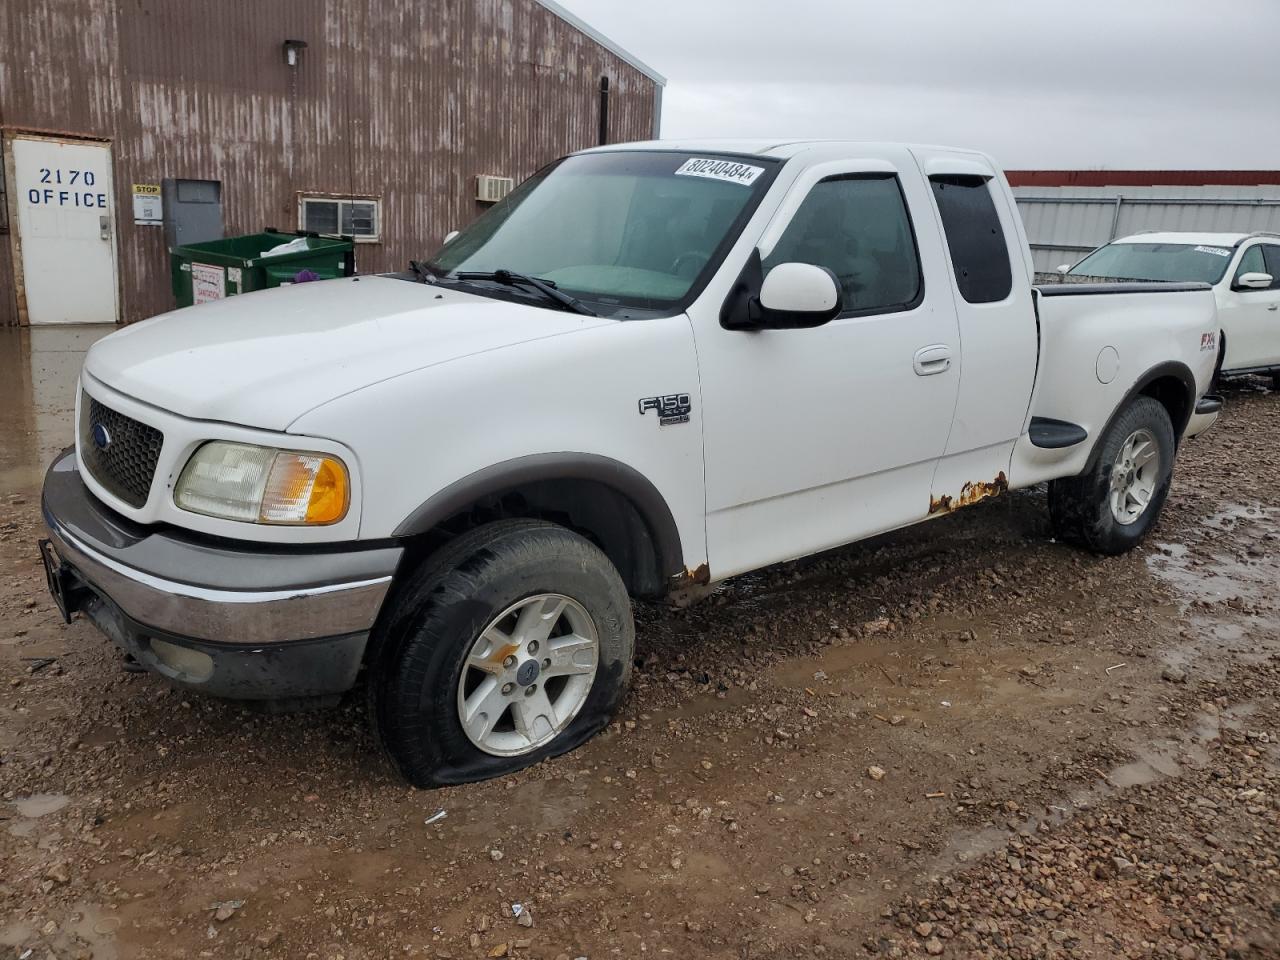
point(1100, 340)
point(1069, 289)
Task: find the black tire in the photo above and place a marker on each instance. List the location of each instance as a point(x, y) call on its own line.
point(419, 648)
point(1080, 507)
point(1275, 380)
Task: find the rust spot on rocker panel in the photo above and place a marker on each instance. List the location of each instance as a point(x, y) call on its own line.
point(698, 576)
point(689, 586)
point(970, 494)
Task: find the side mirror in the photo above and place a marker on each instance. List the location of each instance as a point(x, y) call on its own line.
point(1063, 268)
point(448, 237)
point(793, 295)
point(1253, 281)
point(800, 291)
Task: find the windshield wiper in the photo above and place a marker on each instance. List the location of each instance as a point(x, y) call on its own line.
point(420, 268)
point(544, 287)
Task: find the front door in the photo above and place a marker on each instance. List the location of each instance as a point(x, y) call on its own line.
point(819, 437)
point(1251, 318)
point(65, 229)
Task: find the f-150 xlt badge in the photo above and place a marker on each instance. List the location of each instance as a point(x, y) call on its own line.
point(673, 408)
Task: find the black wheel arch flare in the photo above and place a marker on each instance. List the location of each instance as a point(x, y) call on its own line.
point(1180, 415)
point(603, 491)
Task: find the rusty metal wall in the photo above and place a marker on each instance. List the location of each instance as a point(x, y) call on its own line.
point(1064, 223)
point(404, 100)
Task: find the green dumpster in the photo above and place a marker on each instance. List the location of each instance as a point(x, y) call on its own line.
point(217, 269)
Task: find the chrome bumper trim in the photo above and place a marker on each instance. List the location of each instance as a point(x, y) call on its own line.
point(226, 616)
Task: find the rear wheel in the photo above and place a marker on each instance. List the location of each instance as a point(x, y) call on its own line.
point(512, 644)
point(1111, 506)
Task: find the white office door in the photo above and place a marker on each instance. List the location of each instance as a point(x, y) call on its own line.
point(66, 229)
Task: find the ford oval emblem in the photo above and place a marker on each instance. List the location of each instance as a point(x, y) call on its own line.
point(101, 436)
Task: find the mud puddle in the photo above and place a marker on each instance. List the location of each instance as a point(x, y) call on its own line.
point(30, 810)
point(87, 931)
point(41, 804)
point(1225, 579)
point(1213, 569)
point(1161, 759)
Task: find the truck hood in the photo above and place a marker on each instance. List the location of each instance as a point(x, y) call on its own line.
point(264, 359)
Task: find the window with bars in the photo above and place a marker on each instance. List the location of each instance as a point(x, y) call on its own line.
point(358, 217)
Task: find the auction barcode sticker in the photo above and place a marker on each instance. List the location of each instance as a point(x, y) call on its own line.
point(1217, 251)
point(728, 170)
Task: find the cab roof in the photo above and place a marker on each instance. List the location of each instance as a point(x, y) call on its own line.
point(778, 148)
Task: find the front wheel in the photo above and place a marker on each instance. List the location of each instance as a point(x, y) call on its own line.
point(1110, 507)
point(512, 644)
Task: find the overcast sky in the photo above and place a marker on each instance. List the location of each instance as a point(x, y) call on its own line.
point(1166, 84)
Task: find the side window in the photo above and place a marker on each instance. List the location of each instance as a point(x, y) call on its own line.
point(1251, 262)
point(358, 218)
point(979, 255)
point(1272, 254)
point(858, 228)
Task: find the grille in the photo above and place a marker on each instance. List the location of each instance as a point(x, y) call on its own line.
point(128, 462)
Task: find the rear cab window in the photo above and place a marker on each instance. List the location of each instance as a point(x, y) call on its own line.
point(979, 251)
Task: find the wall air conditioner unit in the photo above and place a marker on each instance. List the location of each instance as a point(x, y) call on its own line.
point(492, 189)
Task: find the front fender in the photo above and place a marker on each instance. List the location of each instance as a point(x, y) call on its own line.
point(427, 440)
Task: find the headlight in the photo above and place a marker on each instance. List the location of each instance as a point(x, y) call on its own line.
point(239, 481)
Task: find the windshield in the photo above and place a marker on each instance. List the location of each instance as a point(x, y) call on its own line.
point(1182, 262)
point(630, 228)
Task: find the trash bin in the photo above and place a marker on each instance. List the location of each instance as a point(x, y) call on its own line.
point(217, 269)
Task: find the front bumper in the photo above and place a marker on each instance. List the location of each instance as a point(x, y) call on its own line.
point(245, 621)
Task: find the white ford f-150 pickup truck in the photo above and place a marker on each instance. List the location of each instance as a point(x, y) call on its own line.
point(651, 367)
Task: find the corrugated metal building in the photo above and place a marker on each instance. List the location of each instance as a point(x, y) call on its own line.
point(1067, 213)
point(373, 117)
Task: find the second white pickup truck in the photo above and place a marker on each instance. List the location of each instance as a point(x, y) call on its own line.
point(651, 367)
point(1243, 269)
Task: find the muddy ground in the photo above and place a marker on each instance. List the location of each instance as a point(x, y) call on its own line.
point(963, 739)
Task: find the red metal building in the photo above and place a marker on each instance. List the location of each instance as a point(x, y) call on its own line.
point(127, 123)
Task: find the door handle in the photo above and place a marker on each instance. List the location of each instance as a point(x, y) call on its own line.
point(932, 359)
point(1274, 306)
